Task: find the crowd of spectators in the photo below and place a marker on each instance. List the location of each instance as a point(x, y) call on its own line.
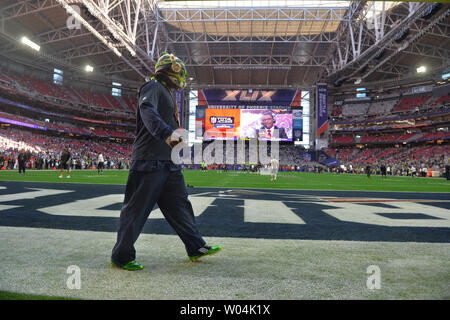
point(400, 161)
point(44, 151)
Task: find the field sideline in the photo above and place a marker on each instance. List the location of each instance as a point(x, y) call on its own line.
point(239, 179)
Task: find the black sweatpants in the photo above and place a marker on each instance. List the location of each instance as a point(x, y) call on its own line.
point(150, 183)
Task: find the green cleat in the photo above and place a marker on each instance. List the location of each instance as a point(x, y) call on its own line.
point(205, 251)
point(130, 266)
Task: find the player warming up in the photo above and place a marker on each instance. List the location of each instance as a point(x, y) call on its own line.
point(153, 177)
point(274, 169)
point(100, 164)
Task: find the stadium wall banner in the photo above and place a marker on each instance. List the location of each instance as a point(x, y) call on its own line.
point(22, 124)
point(200, 113)
point(323, 158)
point(322, 105)
point(297, 123)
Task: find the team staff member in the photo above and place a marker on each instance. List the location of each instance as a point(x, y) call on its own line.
point(153, 177)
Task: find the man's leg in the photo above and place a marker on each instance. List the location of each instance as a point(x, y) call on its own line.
point(177, 210)
point(141, 193)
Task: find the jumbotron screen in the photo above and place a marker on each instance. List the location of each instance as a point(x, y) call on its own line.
point(233, 124)
point(274, 115)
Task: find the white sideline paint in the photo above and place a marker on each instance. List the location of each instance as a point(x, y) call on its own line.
point(264, 211)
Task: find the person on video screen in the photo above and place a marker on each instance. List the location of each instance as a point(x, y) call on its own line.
point(268, 127)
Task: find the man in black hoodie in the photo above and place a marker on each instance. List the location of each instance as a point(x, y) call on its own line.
point(154, 178)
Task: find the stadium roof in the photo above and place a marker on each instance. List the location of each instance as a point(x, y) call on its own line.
point(276, 44)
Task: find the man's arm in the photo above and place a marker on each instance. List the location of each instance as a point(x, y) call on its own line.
point(157, 126)
point(153, 122)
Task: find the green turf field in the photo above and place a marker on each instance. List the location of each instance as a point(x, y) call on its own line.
point(238, 179)
point(5, 295)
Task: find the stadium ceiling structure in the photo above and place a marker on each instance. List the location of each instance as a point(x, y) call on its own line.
point(232, 44)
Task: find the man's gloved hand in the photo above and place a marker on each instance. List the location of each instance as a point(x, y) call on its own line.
point(174, 139)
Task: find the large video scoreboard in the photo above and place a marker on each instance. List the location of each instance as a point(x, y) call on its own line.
point(241, 114)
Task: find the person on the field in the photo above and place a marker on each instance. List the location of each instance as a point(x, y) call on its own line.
point(65, 162)
point(368, 169)
point(383, 170)
point(274, 164)
point(21, 160)
point(447, 169)
point(100, 164)
point(153, 177)
point(413, 171)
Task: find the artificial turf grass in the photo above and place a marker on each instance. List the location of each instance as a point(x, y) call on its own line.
point(240, 179)
point(6, 295)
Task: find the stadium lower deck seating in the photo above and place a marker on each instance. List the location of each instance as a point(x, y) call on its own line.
point(433, 155)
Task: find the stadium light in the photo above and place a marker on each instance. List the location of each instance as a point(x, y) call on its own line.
point(421, 69)
point(89, 68)
point(30, 43)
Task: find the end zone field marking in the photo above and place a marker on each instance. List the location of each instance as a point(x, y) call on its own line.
point(264, 211)
point(34, 193)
